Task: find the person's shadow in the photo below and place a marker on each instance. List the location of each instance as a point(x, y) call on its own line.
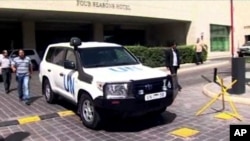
point(18, 136)
point(34, 98)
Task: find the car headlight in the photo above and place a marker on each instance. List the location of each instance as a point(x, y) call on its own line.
point(115, 91)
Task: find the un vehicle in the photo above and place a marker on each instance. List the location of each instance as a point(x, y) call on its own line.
point(104, 79)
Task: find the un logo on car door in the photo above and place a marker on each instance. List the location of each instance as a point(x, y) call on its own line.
point(69, 83)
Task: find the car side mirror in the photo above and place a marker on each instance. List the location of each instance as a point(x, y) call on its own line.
point(69, 65)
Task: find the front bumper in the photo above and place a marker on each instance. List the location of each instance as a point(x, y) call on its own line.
point(135, 104)
point(132, 106)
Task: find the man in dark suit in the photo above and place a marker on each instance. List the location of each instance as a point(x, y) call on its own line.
point(173, 60)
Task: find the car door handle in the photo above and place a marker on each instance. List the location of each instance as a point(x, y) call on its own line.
point(49, 70)
point(61, 74)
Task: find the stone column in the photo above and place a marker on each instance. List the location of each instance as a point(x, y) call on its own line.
point(98, 32)
point(29, 36)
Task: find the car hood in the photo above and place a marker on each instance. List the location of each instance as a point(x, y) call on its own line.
point(124, 73)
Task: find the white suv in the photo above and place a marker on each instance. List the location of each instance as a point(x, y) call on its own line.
point(104, 79)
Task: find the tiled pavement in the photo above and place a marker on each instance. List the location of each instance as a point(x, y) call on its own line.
point(11, 108)
point(180, 114)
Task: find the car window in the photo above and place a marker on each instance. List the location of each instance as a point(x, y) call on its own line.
point(29, 52)
point(15, 53)
point(58, 56)
point(26, 52)
point(122, 55)
point(50, 53)
point(247, 43)
point(9, 51)
point(106, 56)
point(70, 56)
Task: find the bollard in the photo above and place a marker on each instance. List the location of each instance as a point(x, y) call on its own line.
point(238, 73)
point(215, 74)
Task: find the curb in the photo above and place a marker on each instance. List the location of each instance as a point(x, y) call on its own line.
point(198, 67)
point(235, 99)
point(36, 118)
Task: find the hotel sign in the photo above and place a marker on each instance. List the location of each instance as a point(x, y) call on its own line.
point(104, 5)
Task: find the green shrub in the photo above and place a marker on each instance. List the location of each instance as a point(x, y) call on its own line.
point(155, 56)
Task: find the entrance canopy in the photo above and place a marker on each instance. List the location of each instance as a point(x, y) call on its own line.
point(39, 28)
point(37, 15)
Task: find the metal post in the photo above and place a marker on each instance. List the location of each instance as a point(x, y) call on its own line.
point(232, 27)
point(223, 94)
point(215, 74)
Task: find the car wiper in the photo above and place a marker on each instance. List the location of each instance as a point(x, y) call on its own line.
point(125, 63)
point(97, 65)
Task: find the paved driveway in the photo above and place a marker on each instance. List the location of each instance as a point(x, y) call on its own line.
point(181, 114)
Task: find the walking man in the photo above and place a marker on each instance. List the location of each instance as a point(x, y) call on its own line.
point(5, 63)
point(173, 60)
point(22, 66)
point(199, 48)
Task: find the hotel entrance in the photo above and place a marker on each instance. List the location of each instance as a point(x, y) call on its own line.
point(54, 32)
point(10, 35)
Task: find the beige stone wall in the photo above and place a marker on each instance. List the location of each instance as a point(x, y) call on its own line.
point(241, 20)
point(169, 9)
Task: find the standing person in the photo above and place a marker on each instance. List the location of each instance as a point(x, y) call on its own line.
point(22, 66)
point(204, 46)
point(5, 64)
point(199, 47)
point(172, 60)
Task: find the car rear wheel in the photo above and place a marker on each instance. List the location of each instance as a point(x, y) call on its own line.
point(49, 95)
point(89, 116)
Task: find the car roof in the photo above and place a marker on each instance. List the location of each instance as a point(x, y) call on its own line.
point(86, 45)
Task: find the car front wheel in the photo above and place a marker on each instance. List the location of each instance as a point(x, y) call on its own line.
point(89, 116)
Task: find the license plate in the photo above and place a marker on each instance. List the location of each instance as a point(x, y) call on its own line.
point(154, 96)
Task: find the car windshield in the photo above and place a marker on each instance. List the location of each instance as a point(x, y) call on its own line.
point(106, 57)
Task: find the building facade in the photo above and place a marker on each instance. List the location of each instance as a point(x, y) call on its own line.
point(37, 23)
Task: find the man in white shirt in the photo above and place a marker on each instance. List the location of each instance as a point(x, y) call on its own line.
point(5, 64)
point(173, 60)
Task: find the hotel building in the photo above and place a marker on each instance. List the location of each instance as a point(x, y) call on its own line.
point(37, 23)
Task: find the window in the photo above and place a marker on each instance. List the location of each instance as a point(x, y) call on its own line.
point(70, 56)
point(219, 38)
point(106, 56)
point(58, 56)
point(50, 53)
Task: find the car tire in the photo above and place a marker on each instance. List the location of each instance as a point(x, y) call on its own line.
point(49, 95)
point(89, 116)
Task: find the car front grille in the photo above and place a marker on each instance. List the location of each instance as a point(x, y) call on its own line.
point(147, 86)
